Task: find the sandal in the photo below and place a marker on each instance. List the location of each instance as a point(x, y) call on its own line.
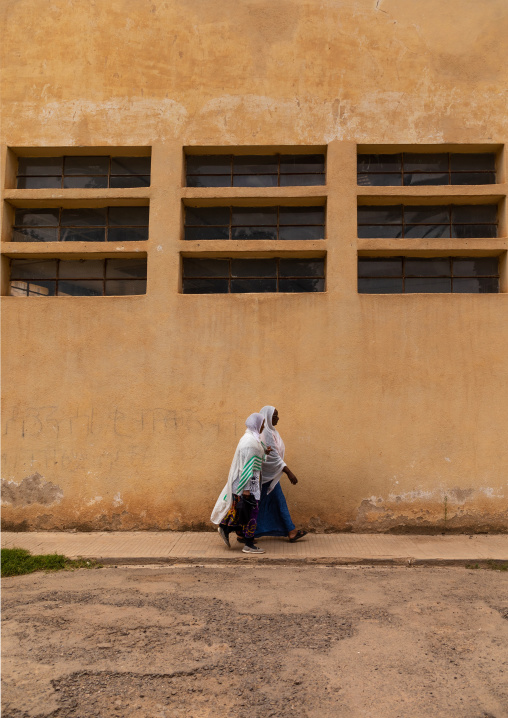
point(299, 534)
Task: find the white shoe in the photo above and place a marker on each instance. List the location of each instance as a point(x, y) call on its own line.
point(224, 536)
point(253, 549)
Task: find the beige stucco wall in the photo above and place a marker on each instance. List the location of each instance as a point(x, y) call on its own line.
point(127, 410)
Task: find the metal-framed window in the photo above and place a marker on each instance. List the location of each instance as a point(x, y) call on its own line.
point(409, 275)
point(276, 170)
point(423, 221)
point(90, 224)
point(252, 275)
point(287, 223)
point(418, 168)
point(87, 172)
point(77, 277)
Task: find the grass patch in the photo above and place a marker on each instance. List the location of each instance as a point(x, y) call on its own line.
point(18, 561)
point(493, 565)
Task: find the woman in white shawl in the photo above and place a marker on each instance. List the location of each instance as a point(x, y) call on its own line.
point(237, 506)
point(274, 518)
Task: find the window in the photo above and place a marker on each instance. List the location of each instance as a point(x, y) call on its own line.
point(254, 223)
point(77, 278)
point(396, 275)
point(396, 221)
point(223, 276)
point(83, 172)
point(407, 168)
point(94, 224)
point(255, 170)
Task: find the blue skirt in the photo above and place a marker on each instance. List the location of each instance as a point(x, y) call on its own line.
point(274, 518)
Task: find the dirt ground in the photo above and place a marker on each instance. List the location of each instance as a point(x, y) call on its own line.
point(256, 642)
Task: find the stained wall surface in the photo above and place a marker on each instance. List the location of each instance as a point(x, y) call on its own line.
point(124, 412)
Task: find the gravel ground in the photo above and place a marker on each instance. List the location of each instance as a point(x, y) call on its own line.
point(256, 642)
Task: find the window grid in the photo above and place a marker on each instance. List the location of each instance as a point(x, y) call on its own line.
point(144, 177)
point(232, 174)
point(364, 174)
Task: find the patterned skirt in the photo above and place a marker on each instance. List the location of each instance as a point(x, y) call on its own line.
point(242, 516)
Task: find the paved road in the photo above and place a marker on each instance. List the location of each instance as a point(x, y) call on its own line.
point(256, 642)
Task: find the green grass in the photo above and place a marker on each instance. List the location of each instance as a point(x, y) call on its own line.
point(493, 565)
point(18, 561)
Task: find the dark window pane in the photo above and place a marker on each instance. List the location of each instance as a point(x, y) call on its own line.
point(242, 286)
point(473, 161)
point(255, 164)
point(98, 165)
point(81, 181)
point(95, 217)
point(473, 178)
point(128, 216)
point(425, 178)
point(195, 233)
point(254, 216)
point(126, 268)
point(37, 217)
point(208, 180)
point(304, 284)
point(380, 231)
point(206, 215)
point(78, 234)
point(475, 266)
point(35, 234)
point(424, 267)
point(474, 213)
point(33, 268)
point(123, 287)
point(296, 233)
point(39, 288)
point(254, 268)
point(379, 180)
point(476, 285)
point(380, 215)
point(301, 180)
point(301, 268)
point(427, 285)
point(40, 165)
point(208, 164)
point(379, 163)
point(130, 181)
point(127, 234)
point(302, 163)
point(254, 233)
point(302, 215)
point(379, 267)
point(427, 162)
point(379, 285)
point(426, 231)
point(466, 231)
point(205, 286)
point(130, 165)
point(255, 181)
point(80, 288)
point(421, 214)
point(82, 268)
point(205, 267)
point(40, 182)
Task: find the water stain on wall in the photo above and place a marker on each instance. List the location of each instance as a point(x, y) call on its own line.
point(32, 490)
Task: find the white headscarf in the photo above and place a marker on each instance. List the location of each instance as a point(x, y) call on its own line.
point(253, 424)
point(274, 463)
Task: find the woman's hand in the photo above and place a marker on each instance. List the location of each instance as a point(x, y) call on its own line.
point(268, 450)
point(290, 475)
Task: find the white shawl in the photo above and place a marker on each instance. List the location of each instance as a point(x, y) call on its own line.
point(274, 463)
point(248, 457)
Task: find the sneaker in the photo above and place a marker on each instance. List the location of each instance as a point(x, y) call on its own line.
point(224, 536)
point(253, 549)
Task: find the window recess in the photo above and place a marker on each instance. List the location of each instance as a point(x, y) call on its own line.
point(284, 223)
point(91, 224)
point(418, 168)
point(252, 275)
point(85, 172)
point(410, 275)
point(423, 221)
point(255, 170)
point(77, 278)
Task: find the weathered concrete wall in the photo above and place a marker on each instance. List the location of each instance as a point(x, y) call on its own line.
point(124, 412)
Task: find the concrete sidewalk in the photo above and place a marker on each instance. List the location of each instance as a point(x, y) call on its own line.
point(142, 547)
